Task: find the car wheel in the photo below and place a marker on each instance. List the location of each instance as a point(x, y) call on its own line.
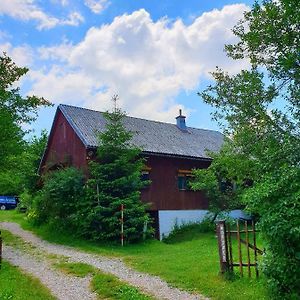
point(3, 207)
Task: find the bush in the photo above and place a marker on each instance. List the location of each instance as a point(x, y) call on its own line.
point(57, 202)
point(25, 201)
point(277, 200)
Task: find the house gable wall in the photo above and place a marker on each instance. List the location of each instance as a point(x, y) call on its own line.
point(64, 147)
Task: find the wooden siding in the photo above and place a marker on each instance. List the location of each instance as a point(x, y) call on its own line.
point(64, 147)
point(163, 192)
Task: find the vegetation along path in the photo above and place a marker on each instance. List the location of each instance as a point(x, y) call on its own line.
point(152, 285)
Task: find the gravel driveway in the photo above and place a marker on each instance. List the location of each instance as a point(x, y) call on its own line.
point(61, 286)
point(152, 285)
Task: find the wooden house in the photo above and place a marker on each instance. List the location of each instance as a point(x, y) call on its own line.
point(171, 152)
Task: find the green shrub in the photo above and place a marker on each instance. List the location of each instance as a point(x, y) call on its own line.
point(58, 201)
point(25, 201)
point(277, 200)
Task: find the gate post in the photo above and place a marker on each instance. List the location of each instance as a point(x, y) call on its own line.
point(223, 249)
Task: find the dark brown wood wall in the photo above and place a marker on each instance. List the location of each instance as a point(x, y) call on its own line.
point(64, 146)
point(163, 192)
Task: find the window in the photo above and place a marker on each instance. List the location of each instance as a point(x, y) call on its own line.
point(145, 175)
point(183, 180)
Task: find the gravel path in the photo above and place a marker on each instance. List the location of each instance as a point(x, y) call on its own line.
point(152, 285)
point(61, 286)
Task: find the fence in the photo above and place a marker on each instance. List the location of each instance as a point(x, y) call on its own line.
point(242, 236)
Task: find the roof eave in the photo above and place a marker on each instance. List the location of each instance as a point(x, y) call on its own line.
point(171, 155)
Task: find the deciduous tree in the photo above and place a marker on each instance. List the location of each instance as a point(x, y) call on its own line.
point(16, 111)
point(259, 109)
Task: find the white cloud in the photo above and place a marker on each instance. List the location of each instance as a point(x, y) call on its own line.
point(74, 19)
point(147, 63)
point(21, 55)
point(27, 10)
point(57, 84)
point(58, 52)
point(97, 6)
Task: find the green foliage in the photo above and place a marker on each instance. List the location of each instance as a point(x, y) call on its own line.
point(277, 199)
point(220, 182)
point(31, 158)
point(115, 180)
point(16, 111)
point(57, 202)
point(23, 168)
point(260, 108)
point(272, 42)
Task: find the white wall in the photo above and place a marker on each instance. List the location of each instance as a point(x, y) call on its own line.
point(168, 218)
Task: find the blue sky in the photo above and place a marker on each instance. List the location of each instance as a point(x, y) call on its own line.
point(156, 55)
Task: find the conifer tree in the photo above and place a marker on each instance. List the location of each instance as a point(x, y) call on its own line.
point(116, 180)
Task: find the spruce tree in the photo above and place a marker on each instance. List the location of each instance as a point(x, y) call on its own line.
point(115, 180)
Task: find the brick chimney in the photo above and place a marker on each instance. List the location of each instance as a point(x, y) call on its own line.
point(180, 121)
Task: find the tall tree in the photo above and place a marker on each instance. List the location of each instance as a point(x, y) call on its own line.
point(116, 180)
point(15, 111)
point(259, 109)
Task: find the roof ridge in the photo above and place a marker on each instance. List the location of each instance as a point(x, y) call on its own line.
point(160, 122)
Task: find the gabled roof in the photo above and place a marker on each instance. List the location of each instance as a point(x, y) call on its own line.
point(151, 136)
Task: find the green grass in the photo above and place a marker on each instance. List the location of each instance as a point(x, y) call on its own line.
point(15, 241)
point(190, 261)
point(110, 287)
point(77, 269)
point(16, 285)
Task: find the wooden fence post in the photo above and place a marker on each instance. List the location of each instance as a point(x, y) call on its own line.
point(122, 225)
point(223, 249)
point(238, 235)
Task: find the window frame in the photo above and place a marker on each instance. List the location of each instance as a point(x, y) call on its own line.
point(185, 175)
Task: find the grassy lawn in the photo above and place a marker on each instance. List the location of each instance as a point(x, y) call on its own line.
point(15, 285)
point(189, 261)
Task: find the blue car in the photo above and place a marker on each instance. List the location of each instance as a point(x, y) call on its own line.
point(8, 202)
